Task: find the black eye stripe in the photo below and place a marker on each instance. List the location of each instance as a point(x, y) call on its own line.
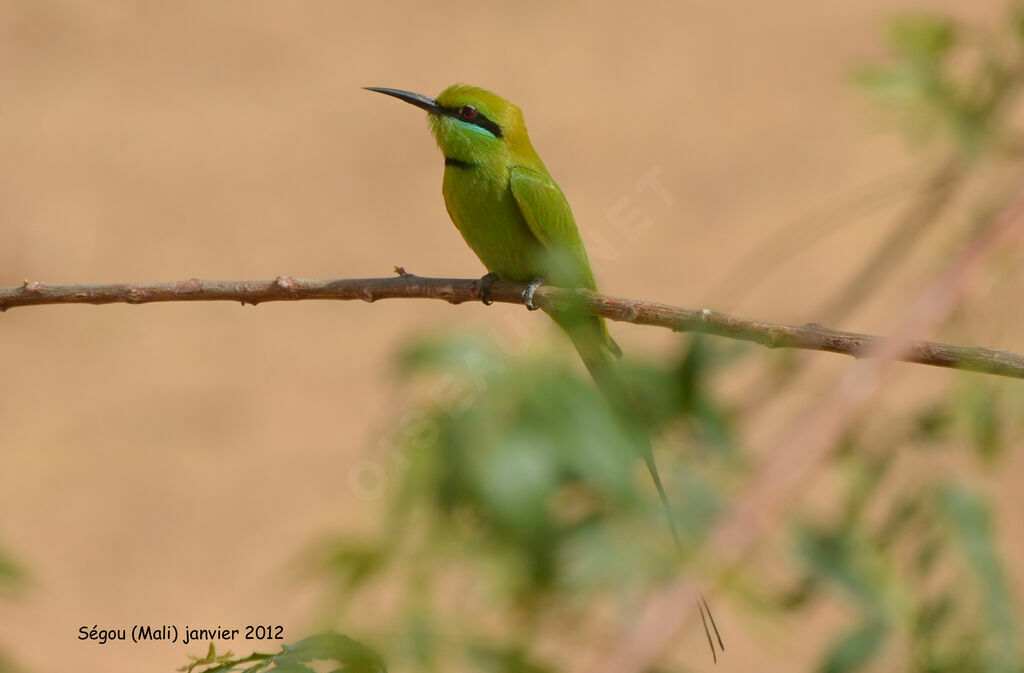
point(480, 120)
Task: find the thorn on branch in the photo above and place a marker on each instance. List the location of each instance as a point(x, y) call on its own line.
point(285, 282)
point(190, 285)
point(447, 292)
point(134, 295)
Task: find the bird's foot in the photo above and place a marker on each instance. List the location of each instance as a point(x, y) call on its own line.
point(484, 288)
point(529, 292)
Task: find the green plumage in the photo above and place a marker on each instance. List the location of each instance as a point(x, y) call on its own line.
point(508, 208)
point(516, 219)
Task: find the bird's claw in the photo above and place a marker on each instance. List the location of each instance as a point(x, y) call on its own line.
point(484, 288)
point(529, 292)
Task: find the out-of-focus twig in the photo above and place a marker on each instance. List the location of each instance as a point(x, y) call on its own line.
point(455, 291)
point(937, 193)
point(800, 449)
point(771, 254)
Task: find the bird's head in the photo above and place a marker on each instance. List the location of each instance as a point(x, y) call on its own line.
point(471, 124)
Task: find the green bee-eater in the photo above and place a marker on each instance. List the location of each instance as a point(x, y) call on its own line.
point(515, 218)
point(513, 215)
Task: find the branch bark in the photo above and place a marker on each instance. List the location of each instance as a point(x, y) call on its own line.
point(455, 291)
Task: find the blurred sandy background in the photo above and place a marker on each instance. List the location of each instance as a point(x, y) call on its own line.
point(164, 463)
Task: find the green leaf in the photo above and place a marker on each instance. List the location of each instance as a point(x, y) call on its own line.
point(353, 656)
point(354, 563)
point(696, 503)
point(842, 557)
point(800, 594)
point(452, 353)
point(350, 655)
point(854, 649)
point(419, 640)
point(12, 575)
point(1017, 21)
point(900, 517)
point(933, 423)
point(971, 525)
point(934, 614)
point(980, 405)
point(614, 555)
point(899, 85)
point(928, 553)
point(923, 37)
point(518, 477)
point(505, 659)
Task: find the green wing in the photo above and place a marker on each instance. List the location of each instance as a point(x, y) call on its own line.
point(550, 219)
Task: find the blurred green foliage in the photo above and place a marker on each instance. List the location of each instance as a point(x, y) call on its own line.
point(944, 83)
point(516, 472)
point(13, 579)
point(520, 484)
point(12, 575)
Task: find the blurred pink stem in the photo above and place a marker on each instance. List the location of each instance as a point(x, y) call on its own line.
point(801, 448)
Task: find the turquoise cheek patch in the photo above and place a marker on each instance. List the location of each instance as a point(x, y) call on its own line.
point(474, 128)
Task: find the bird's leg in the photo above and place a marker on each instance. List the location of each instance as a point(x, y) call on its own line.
point(484, 288)
point(529, 292)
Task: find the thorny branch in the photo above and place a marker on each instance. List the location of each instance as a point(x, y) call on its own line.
point(455, 291)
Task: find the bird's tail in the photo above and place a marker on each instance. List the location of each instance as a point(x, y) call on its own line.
point(600, 355)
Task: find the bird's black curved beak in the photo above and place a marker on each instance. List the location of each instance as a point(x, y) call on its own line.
point(419, 100)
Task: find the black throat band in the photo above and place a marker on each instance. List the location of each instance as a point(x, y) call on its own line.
point(458, 163)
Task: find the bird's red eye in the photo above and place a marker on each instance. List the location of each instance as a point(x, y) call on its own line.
point(468, 112)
